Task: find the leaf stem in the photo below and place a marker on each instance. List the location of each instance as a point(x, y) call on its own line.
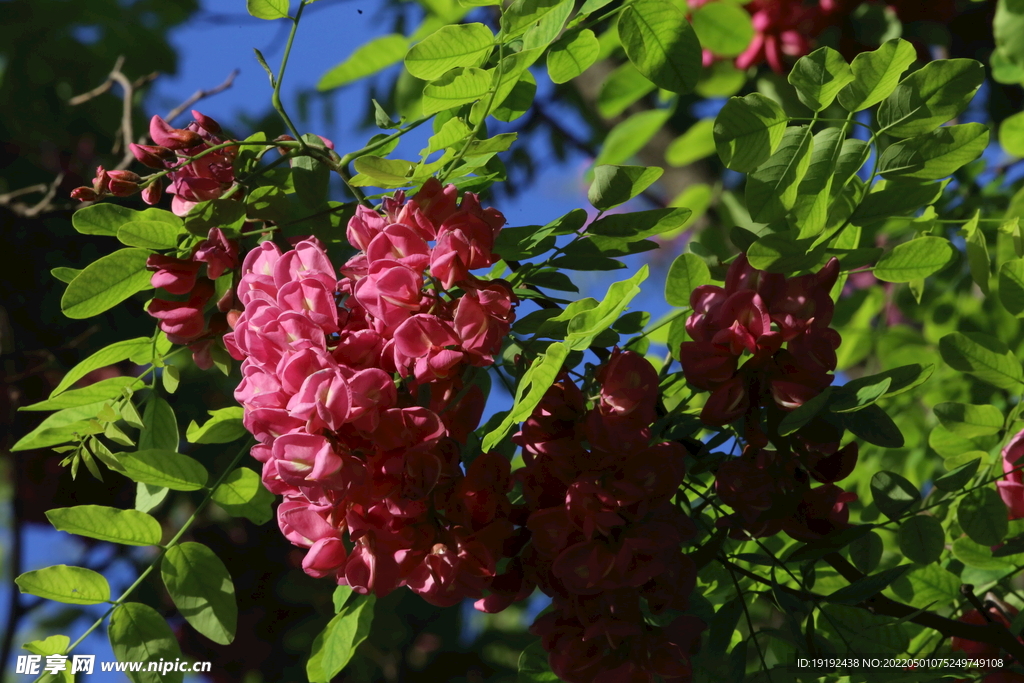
point(276, 98)
point(163, 551)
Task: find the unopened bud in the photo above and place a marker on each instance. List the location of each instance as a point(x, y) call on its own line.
point(151, 194)
point(84, 194)
point(206, 122)
point(172, 138)
point(153, 156)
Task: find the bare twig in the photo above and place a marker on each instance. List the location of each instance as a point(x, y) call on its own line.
point(201, 94)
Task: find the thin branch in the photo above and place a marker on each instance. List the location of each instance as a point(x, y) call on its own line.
point(201, 95)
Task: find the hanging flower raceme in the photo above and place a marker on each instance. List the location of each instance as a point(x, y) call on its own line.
point(369, 465)
point(1011, 488)
point(605, 536)
point(753, 316)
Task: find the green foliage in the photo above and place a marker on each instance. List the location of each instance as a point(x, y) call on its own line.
point(368, 59)
point(533, 666)
point(242, 494)
point(128, 527)
point(614, 185)
point(661, 44)
point(981, 513)
point(165, 468)
point(532, 385)
point(337, 643)
point(893, 494)
point(267, 9)
point(922, 539)
point(106, 282)
point(748, 130)
point(876, 74)
point(819, 76)
point(224, 426)
point(687, 272)
point(571, 55)
point(915, 259)
point(927, 98)
point(723, 28)
point(71, 585)
point(202, 590)
point(457, 45)
point(139, 634)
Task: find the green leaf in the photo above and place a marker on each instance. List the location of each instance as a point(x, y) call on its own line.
point(978, 556)
point(936, 154)
point(62, 427)
point(861, 631)
point(128, 527)
point(224, 426)
point(202, 590)
point(901, 379)
point(519, 99)
point(107, 219)
point(969, 421)
point(534, 667)
point(623, 86)
point(449, 47)
point(723, 28)
point(1011, 134)
point(984, 356)
point(71, 585)
point(572, 54)
point(106, 282)
point(532, 387)
point(859, 394)
point(100, 391)
point(541, 33)
point(876, 74)
point(53, 645)
point(922, 539)
point(586, 325)
point(629, 136)
point(977, 253)
point(138, 350)
point(242, 494)
point(866, 552)
point(139, 634)
point(311, 176)
point(1011, 286)
point(161, 426)
point(779, 253)
point(868, 586)
point(457, 87)
point(772, 188)
point(687, 272)
point(695, 144)
point(639, 224)
point(614, 185)
point(890, 198)
point(981, 513)
point(267, 9)
point(382, 172)
point(833, 542)
point(65, 274)
point(810, 210)
point(337, 643)
point(819, 76)
point(957, 478)
point(804, 413)
point(661, 44)
point(165, 468)
point(893, 494)
point(522, 14)
point(149, 234)
point(341, 596)
point(368, 59)
point(915, 259)
point(748, 130)
point(932, 583)
point(148, 497)
point(929, 97)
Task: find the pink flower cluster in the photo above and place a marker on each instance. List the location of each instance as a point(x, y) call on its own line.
point(756, 313)
point(369, 466)
point(605, 536)
point(199, 180)
point(1011, 488)
point(183, 319)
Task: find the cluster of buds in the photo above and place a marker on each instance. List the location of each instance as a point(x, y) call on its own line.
point(605, 535)
point(108, 183)
point(370, 466)
point(183, 318)
point(192, 180)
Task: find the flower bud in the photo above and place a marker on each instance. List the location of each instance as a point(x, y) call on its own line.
point(206, 122)
point(123, 183)
point(84, 194)
point(151, 194)
point(172, 138)
point(153, 156)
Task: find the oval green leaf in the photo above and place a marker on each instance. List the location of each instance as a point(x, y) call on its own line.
point(71, 585)
point(202, 590)
point(661, 44)
point(165, 468)
point(106, 282)
point(128, 527)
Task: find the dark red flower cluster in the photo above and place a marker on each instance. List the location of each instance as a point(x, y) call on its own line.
point(756, 313)
point(199, 180)
point(984, 651)
point(606, 538)
point(183, 319)
point(116, 183)
point(369, 467)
